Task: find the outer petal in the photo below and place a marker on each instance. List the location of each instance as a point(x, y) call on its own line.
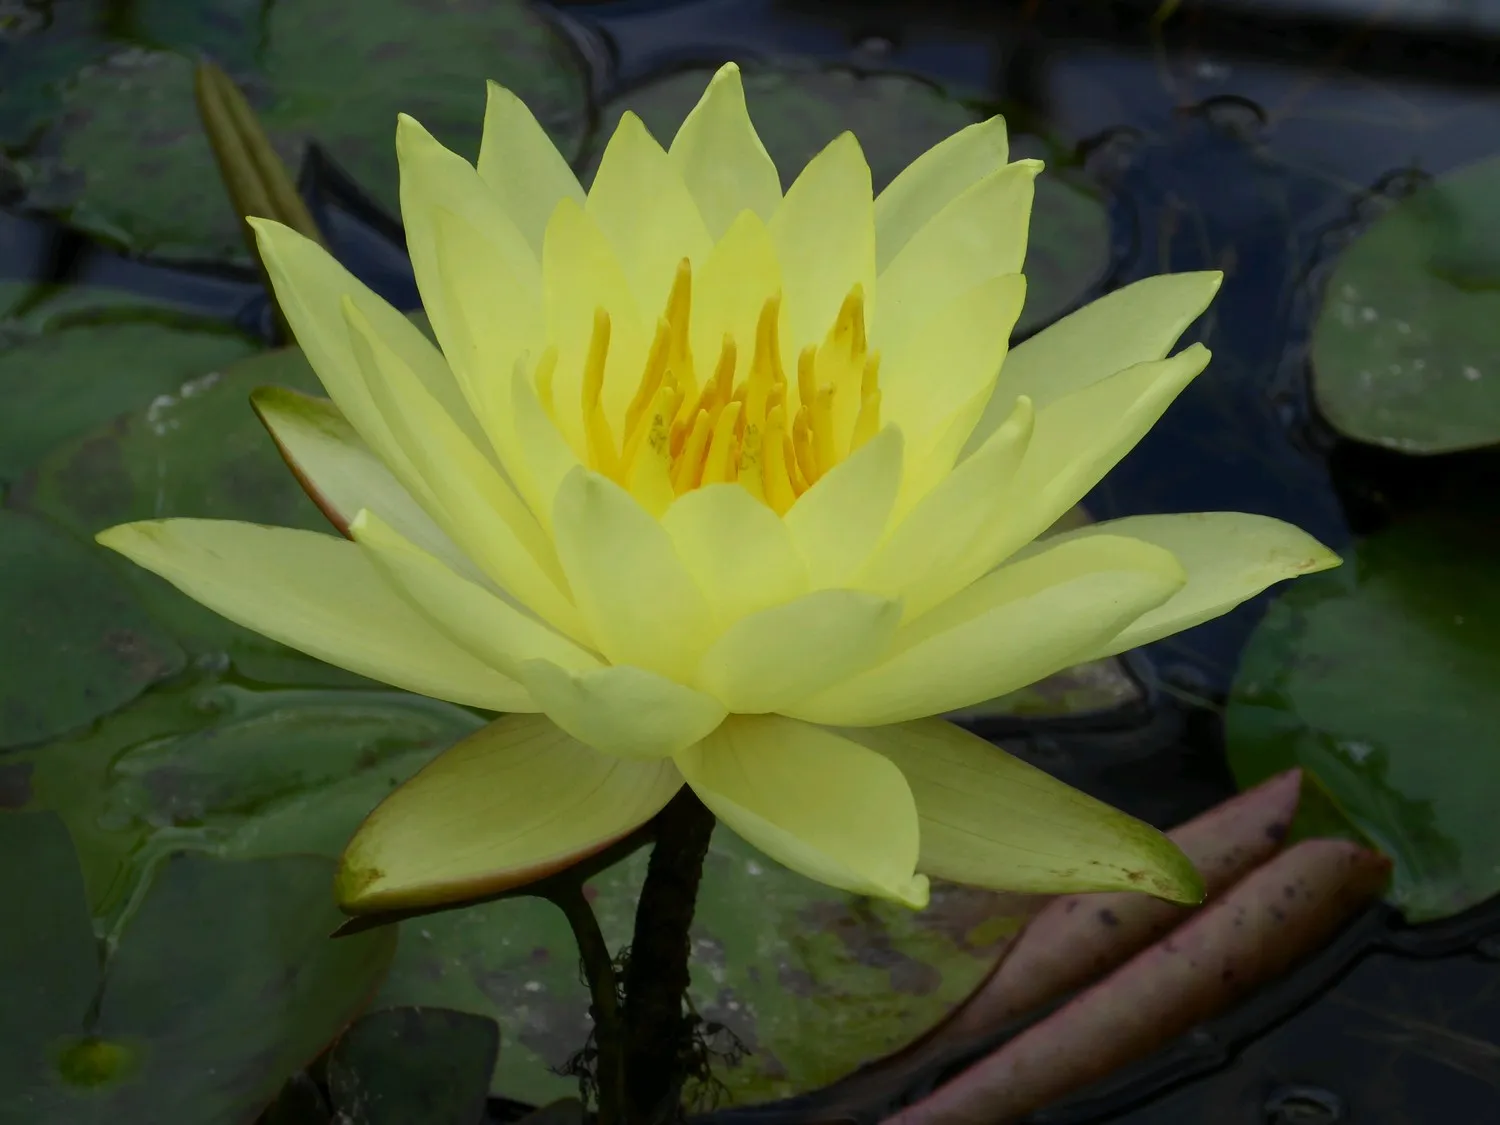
point(824, 232)
point(1011, 628)
point(979, 235)
point(838, 521)
point(510, 804)
point(342, 475)
point(625, 711)
point(310, 288)
point(721, 158)
point(1137, 323)
point(738, 551)
point(1075, 442)
point(545, 455)
point(478, 508)
point(771, 659)
point(645, 210)
point(820, 804)
point(486, 624)
point(640, 601)
point(317, 594)
point(931, 181)
point(917, 558)
point(1228, 556)
point(521, 165)
point(991, 820)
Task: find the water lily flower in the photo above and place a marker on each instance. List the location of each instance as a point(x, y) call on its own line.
point(713, 484)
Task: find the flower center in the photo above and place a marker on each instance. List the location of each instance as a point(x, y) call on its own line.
point(773, 438)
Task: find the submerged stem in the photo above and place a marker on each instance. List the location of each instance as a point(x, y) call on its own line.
point(658, 1037)
point(604, 1006)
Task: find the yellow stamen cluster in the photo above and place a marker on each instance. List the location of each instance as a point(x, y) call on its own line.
point(773, 439)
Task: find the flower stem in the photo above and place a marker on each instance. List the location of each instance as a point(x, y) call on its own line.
point(604, 1007)
point(659, 1056)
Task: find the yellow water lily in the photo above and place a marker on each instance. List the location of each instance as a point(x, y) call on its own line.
point(710, 484)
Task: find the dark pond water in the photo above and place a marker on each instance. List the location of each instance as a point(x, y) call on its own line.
point(1260, 138)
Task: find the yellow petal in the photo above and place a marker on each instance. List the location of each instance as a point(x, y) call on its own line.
point(721, 158)
point(991, 820)
point(493, 318)
point(317, 594)
point(622, 710)
point(931, 181)
point(1138, 323)
point(545, 456)
point(521, 165)
point(929, 373)
point(737, 550)
point(981, 234)
point(582, 274)
point(773, 658)
point(310, 288)
point(510, 804)
point(1075, 442)
point(645, 210)
point(342, 475)
point(820, 804)
point(916, 560)
point(642, 605)
point(1228, 556)
point(500, 634)
point(838, 521)
point(824, 233)
point(434, 180)
point(478, 508)
point(1009, 629)
point(729, 292)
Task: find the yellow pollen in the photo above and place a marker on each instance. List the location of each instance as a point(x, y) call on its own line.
point(773, 439)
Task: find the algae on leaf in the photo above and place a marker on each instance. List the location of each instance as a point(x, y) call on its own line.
point(1406, 348)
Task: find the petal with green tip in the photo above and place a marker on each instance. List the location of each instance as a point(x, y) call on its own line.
point(510, 804)
point(989, 819)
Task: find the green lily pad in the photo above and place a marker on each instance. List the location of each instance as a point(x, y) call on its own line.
point(226, 31)
point(58, 384)
point(798, 110)
point(41, 50)
point(74, 642)
point(1379, 680)
point(343, 69)
point(1406, 349)
point(247, 942)
point(231, 772)
point(810, 980)
point(414, 1066)
point(129, 161)
point(197, 453)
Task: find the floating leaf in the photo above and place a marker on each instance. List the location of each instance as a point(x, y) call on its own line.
point(233, 772)
point(812, 981)
point(1406, 349)
point(246, 942)
point(129, 160)
point(343, 69)
point(1379, 680)
point(57, 384)
point(199, 453)
point(798, 110)
point(74, 642)
point(414, 1066)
